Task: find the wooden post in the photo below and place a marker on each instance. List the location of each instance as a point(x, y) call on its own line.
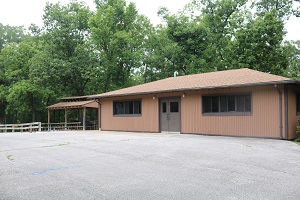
point(66, 118)
point(84, 117)
point(48, 120)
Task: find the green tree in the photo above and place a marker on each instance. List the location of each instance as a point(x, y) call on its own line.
point(25, 101)
point(282, 8)
point(3, 103)
point(14, 59)
point(292, 50)
point(10, 34)
point(161, 55)
point(117, 32)
point(258, 45)
point(68, 58)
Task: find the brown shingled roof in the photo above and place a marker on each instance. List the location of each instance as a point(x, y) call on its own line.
point(220, 79)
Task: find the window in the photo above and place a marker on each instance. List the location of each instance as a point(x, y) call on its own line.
point(298, 104)
point(228, 104)
point(164, 107)
point(174, 107)
point(127, 107)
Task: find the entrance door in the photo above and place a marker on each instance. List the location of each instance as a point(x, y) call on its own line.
point(170, 115)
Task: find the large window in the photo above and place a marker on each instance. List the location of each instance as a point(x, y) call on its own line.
point(238, 104)
point(132, 107)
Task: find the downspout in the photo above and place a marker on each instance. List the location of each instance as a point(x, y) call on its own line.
point(280, 111)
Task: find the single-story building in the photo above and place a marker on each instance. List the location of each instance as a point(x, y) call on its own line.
point(241, 102)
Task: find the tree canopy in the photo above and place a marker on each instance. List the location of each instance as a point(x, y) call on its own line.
point(81, 51)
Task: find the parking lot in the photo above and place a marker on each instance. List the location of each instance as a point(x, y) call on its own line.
point(116, 165)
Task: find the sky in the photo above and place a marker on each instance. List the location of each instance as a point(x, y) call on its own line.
point(25, 12)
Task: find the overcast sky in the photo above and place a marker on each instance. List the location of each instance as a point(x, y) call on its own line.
point(25, 12)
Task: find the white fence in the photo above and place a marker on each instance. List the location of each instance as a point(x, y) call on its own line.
point(29, 127)
point(62, 126)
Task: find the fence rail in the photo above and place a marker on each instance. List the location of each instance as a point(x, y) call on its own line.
point(62, 126)
point(90, 125)
point(36, 126)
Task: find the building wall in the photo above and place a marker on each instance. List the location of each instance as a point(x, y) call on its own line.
point(292, 114)
point(264, 121)
point(147, 122)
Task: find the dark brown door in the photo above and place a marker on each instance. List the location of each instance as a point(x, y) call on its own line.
point(170, 115)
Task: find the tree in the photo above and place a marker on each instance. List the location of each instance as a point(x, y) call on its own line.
point(3, 103)
point(10, 34)
point(15, 60)
point(25, 99)
point(161, 56)
point(116, 31)
point(292, 50)
point(68, 55)
point(203, 39)
point(258, 45)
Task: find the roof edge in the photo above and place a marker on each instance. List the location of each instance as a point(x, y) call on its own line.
point(193, 89)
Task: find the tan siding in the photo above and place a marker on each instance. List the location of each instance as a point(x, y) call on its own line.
point(292, 112)
point(264, 121)
point(148, 121)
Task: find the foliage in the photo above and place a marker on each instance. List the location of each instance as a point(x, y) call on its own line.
point(80, 52)
point(9, 34)
point(117, 32)
point(25, 98)
point(292, 51)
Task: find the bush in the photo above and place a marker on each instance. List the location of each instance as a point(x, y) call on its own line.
point(298, 130)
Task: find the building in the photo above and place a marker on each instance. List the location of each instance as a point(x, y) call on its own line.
point(241, 102)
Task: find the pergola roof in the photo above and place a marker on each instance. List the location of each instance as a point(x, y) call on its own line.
point(78, 104)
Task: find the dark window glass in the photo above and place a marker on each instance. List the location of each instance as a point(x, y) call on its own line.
point(174, 107)
point(206, 104)
point(248, 105)
point(240, 103)
point(130, 107)
point(137, 107)
point(231, 103)
point(224, 103)
point(119, 108)
point(215, 104)
point(164, 107)
point(228, 103)
point(127, 107)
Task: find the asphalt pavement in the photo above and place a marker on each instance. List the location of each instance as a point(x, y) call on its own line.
point(117, 165)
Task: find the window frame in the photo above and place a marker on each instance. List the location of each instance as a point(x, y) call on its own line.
point(127, 101)
point(228, 113)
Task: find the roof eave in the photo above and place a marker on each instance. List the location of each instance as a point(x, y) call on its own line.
point(193, 89)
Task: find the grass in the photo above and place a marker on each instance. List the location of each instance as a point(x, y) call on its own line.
point(9, 157)
point(297, 141)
